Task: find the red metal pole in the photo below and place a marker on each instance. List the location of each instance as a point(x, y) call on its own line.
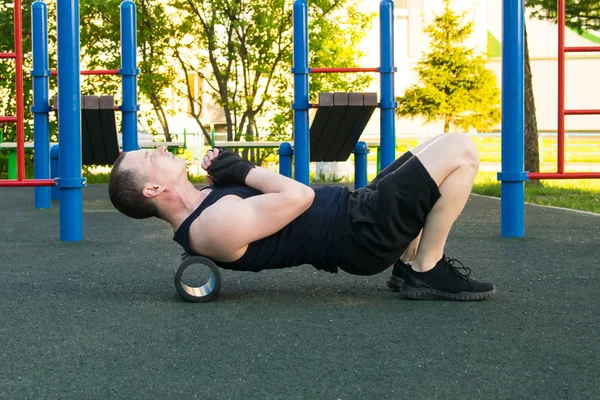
point(566, 175)
point(341, 70)
point(582, 49)
point(8, 55)
point(26, 182)
point(19, 86)
point(94, 72)
point(8, 119)
point(582, 112)
point(561, 87)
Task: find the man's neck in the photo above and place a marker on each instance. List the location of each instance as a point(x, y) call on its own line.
point(181, 202)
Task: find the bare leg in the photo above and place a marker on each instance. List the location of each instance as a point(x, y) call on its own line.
point(410, 253)
point(452, 162)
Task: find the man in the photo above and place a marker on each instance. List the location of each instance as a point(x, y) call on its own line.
point(251, 219)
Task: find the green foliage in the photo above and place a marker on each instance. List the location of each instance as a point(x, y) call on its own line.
point(454, 84)
point(100, 48)
point(7, 73)
point(580, 14)
point(334, 37)
point(243, 53)
point(7, 68)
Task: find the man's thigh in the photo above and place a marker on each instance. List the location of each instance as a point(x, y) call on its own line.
point(443, 156)
point(383, 221)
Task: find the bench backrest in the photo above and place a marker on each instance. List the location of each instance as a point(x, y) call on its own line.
point(338, 123)
point(99, 143)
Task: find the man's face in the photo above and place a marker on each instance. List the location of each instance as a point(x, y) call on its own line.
point(158, 167)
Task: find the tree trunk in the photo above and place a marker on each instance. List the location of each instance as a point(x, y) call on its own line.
point(447, 121)
point(532, 154)
point(161, 115)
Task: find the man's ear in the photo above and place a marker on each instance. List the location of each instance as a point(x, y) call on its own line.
point(152, 190)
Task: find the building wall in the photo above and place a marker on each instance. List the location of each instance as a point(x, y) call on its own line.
point(582, 81)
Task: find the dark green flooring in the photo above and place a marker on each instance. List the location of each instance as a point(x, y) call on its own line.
point(101, 319)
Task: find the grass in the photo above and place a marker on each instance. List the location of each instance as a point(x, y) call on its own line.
point(576, 194)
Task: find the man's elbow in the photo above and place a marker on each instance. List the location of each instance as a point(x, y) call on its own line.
point(308, 196)
point(302, 197)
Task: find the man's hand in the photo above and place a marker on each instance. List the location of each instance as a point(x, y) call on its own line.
point(211, 154)
point(208, 158)
point(226, 167)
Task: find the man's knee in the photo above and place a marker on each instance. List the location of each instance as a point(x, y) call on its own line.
point(465, 149)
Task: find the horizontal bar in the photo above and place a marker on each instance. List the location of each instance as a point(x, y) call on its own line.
point(8, 119)
point(341, 70)
point(8, 55)
point(94, 72)
point(313, 105)
point(566, 175)
point(27, 182)
point(582, 112)
point(582, 49)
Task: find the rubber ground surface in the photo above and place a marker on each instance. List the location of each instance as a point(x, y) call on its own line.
point(101, 319)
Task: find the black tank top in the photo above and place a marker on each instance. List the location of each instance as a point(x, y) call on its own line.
point(312, 238)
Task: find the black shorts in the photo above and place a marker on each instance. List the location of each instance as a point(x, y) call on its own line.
point(385, 216)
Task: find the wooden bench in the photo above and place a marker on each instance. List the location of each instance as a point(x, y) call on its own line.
point(334, 133)
point(339, 121)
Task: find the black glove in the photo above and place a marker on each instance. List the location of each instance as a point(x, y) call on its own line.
point(229, 168)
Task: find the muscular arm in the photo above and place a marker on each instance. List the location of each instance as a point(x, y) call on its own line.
point(225, 229)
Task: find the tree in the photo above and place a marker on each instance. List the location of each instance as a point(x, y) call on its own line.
point(243, 51)
point(580, 15)
point(7, 72)
point(454, 84)
point(7, 66)
point(100, 46)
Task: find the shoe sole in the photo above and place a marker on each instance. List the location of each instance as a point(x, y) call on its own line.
point(395, 283)
point(432, 294)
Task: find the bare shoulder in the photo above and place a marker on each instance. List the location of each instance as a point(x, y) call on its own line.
point(206, 233)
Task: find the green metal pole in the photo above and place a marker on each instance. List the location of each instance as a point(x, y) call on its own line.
point(12, 164)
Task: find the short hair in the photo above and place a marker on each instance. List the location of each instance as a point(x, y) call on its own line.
point(125, 189)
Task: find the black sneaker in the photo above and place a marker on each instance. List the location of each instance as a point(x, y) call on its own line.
point(446, 281)
point(398, 275)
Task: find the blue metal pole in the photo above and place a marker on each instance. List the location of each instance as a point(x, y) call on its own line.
point(54, 171)
point(285, 159)
point(387, 103)
point(129, 73)
point(300, 70)
point(69, 121)
point(40, 107)
point(513, 112)
point(360, 165)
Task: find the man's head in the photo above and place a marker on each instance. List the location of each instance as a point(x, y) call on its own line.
point(139, 180)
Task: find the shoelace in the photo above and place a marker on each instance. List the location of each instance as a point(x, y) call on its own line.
point(462, 271)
